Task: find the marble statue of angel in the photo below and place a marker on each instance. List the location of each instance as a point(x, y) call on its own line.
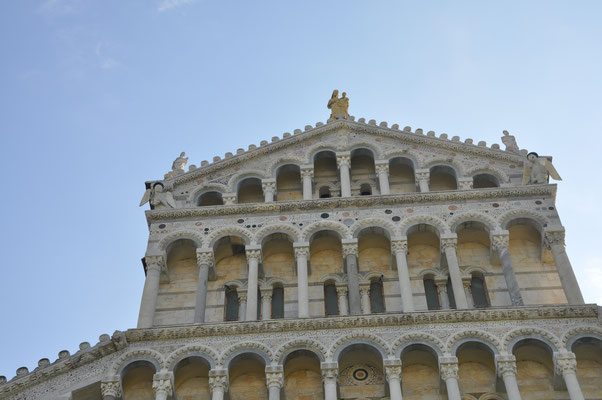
point(538, 169)
point(177, 167)
point(157, 197)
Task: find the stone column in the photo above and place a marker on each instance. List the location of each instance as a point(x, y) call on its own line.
point(448, 244)
point(162, 386)
point(229, 198)
point(269, 189)
point(307, 173)
point(382, 170)
point(448, 368)
point(422, 179)
point(350, 252)
point(302, 255)
point(393, 373)
point(399, 246)
point(506, 369)
point(555, 241)
point(242, 304)
point(342, 296)
point(442, 291)
point(110, 389)
point(344, 164)
point(266, 303)
point(365, 299)
point(253, 256)
point(154, 266)
point(500, 241)
point(465, 183)
point(468, 292)
point(566, 365)
point(330, 372)
point(218, 383)
point(274, 377)
point(204, 260)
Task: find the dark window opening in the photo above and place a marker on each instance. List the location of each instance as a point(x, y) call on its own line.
point(479, 295)
point(231, 304)
point(278, 302)
point(432, 296)
point(331, 303)
point(450, 294)
point(377, 301)
point(325, 192)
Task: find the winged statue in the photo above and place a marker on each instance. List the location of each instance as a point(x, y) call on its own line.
point(157, 197)
point(537, 169)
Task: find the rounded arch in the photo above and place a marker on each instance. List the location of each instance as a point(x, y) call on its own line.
point(209, 187)
point(315, 150)
point(249, 173)
point(286, 229)
point(358, 338)
point(195, 237)
point(425, 339)
point(300, 344)
point(491, 396)
point(376, 153)
point(333, 189)
point(273, 282)
point(482, 337)
point(571, 336)
point(446, 162)
point(507, 218)
point(245, 235)
point(151, 356)
point(370, 275)
point(439, 225)
point(490, 223)
point(437, 273)
point(471, 269)
point(258, 349)
point(359, 226)
point(340, 229)
point(517, 335)
point(281, 162)
point(182, 353)
point(498, 173)
point(414, 157)
point(236, 283)
point(332, 277)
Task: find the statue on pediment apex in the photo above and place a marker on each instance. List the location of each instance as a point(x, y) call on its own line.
point(339, 107)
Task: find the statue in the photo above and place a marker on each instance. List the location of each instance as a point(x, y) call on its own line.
point(177, 167)
point(510, 142)
point(339, 108)
point(537, 170)
point(157, 197)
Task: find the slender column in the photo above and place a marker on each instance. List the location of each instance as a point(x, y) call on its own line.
point(465, 183)
point(253, 256)
point(162, 385)
point(154, 266)
point(269, 189)
point(393, 373)
point(266, 304)
point(555, 240)
point(365, 296)
point(302, 255)
point(218, 383)
point(422, 179)
point(448, 244)
point(442, 291)
point(242, 305)
point(274, 377)
point(343, 304)
point(506, 369)
point(229, 198)
point(448, 368)
point(566, 365)
point(307, 173)
point(500, 241)
point(204, 260)
point(344, 164)
point(400, 249)
point(110, 389)
point(330, 372)
point(468, 292)
point(350, 252)
point(382, 169)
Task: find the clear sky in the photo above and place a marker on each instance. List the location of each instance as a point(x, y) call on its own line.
point(98, 96)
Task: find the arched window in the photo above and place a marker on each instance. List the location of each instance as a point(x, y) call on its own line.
point(450, 294)
point(325, 192)
point(211, 199)
point(432, 296)
point(278, 302)
point(331, 302)
point(481, 181)
point(479, 293)
point(377, 300)
point(365, 190)
point(231, 304)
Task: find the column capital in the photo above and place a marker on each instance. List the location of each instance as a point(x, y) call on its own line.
point(301, 249)
point(330, 370)
point(506, 365)
point(554, 237)
point(565, 363)
point(448, 367)
point(242, 295)
point(365, 289)
point(393, 369)
point(343, 158)
point(422, 174)
point(269, 183)
point(465, 183)
point(204, 257)
point(218, 379)
point(399, 245)
point(111, 387)
point(350, 247)
point(266, 293)
point(155, 262)
point(382, 168)
point(162, 382)
point(274, 376)
point(500, 238)
point(341, 289)
point(229, 198)
point(253, 253)
point(449, 240)
point(307, 170)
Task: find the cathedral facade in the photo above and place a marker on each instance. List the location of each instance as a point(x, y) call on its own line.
point(350, 260)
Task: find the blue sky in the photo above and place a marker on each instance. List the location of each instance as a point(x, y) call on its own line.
point(98, 96)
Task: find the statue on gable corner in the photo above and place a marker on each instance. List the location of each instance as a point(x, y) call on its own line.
point(177, 167)
point(339, 107)
point(537, 169)
point(510, 142)
point(157, 197)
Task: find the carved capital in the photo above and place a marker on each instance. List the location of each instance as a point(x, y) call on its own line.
point(343, 160)
point(307, 172)
point(499, 241)
point(242, 296)
point(204, 257)
point(350, 249)
point(554, 238)
point(382, 168)
point(422, 175)
point(399, 246)
point(566, 363)
point(393, 372)
point(341, 290)
point(465, 183)
point(301, 252)
point(449, 370)
point(365, 290)
point(506, 365)
point(162, 383)
point(449, 243)
point(330, 372)
point(155, 262)
point(268, 186)
point(274, 379)
point(266, 294)
point(254, 254)
point(112, 388)
point(229, 198)
point(218, 382)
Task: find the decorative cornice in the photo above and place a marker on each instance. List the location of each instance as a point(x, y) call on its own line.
point(451, 196)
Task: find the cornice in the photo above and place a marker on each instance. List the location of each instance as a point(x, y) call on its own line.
point(353, 202)
point(408, 136)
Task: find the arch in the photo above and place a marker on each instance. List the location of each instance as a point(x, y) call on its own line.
point(281, 162)
point(300, 344)
point(358, 338)
point(266, 231)
point(271, 283)
point(491, 396)
point(333, 189)
point(571, 336)
point(490, 223)
point(446, 162)
point(230, 231)
point(258, 349)
point(470, 269)
point(376, 154)
point(182, 353)
point(482, 337)
point(388, 227)
point(517, 335)
point(367, 277)
point(209, 187)
point(339, 228)
point(425, 339)
point(439, 225)
point(332, 277)
point(151, 356)
point(437, 273)
point(236, 283)
point(249, 173)
point(498, 173)
point(508, 217)
point(408, 154)
point(313, 151)
point(181, 234)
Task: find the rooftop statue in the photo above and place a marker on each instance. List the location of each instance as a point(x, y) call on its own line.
point(339, 108)
point(177, 167)
point(537, 170)
point(157, 197)
point(510, 142)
